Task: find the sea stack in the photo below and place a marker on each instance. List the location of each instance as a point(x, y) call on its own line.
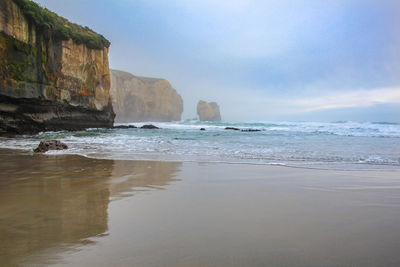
point(138, 99)
point(54, 74)
point(208, 111)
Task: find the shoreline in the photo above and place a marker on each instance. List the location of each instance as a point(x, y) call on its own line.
point(65, 152)
point(348, 146)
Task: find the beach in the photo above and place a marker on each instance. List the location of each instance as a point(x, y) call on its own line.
point(199, 133)
point(69, 210)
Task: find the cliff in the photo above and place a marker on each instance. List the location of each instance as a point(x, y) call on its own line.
point(137, 99)
point(208, 111)
point(54, 74)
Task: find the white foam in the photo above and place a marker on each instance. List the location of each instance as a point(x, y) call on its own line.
point(307, 144)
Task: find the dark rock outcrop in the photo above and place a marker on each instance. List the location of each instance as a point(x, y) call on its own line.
point(208, 111)
point(149, 127)
point(144, 99)
point(242, 130)
point(49, 78)
point(47, 145)
point(251, 130)
point(125, 127)
point(202, 129)
point(232, 129)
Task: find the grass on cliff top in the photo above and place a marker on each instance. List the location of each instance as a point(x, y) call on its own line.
point(48, 21)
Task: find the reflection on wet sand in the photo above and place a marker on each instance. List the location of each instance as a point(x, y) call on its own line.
point(132, 176)
point(48, 201)
point(60, 211)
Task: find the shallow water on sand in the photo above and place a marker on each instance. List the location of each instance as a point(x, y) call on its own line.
point(70, 210)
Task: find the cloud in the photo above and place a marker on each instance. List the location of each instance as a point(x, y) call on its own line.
point(250, 28)
point(359, 98)
point(259, 105)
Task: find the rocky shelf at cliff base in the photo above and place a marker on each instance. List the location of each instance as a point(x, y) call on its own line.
point(208, 111)
point(139, 99)
point(50, 78)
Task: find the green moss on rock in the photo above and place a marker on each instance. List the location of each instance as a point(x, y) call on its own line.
point(47, 21)
point(17, 60)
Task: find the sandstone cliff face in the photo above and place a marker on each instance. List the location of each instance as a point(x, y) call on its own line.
point(47, 83)
point(208, 111)
point(137, 99)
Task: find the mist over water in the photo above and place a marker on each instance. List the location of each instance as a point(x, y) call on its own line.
point(335, 145)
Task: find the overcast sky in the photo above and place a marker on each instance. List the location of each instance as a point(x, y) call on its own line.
point(260, 60)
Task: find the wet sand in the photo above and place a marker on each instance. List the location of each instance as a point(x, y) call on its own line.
point(74, 211)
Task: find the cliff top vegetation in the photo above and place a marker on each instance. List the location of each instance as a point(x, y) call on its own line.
point(48, 21)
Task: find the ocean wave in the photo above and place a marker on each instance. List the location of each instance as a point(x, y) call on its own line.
point(341, 128)
point(292, 143)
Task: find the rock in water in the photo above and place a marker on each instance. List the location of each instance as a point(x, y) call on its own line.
point(149, 126)
point(202, 129)
point(54, 75)
point(232, 128)
point(144, 99)
point(251, 130)
point(208, 111)
point(47, 145)
point(125, 127)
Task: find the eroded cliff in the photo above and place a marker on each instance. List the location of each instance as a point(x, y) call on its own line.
point(137, 99)
point(208, 111)
point(54, 75)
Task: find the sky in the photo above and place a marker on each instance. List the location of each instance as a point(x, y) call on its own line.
point(319, 60)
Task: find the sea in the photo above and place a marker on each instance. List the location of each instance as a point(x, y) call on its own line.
point(340, 145)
